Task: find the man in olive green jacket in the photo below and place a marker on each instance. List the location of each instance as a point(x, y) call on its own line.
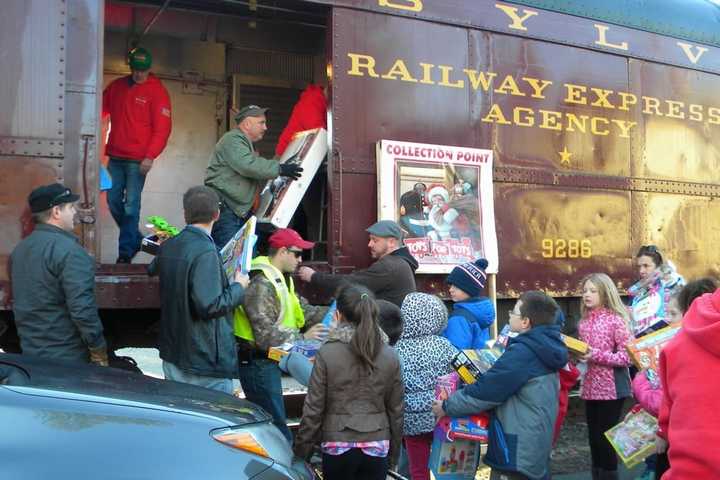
point(237, 173)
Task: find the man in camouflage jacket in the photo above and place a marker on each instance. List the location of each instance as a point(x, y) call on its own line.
point(271, 315)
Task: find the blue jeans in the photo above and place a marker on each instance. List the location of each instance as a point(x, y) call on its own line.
point(261, 382)
point(124, 202)
point(226, 226)
point(172, 372)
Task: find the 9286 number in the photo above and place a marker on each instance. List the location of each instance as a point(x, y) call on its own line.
point(566, 248)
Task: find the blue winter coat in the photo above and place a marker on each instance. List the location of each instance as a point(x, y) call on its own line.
point(467, 326)
point(521, 390)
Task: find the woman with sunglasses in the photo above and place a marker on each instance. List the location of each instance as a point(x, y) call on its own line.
point(659, 281)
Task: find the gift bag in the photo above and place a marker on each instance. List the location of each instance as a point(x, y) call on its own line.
point(456, 460)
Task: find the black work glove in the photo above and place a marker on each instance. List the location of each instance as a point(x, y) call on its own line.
point(290, 170)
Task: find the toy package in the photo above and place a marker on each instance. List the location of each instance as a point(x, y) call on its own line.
point(645, 351)
point(446, 385)
point(634, 439)
point(470, 364)
point(473, 428)
point(650, 295)
point(162, 230)
point(503, 338)
point(237, 252)
point(456, 460)
point(575, 345)
point(306, 348)
point(276, 353)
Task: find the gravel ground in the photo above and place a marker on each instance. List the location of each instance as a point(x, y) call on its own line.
point(572, 452)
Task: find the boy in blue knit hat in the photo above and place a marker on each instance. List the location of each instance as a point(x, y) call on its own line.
point(472, 314)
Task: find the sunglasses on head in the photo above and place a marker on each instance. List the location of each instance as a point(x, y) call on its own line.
point(649, 248)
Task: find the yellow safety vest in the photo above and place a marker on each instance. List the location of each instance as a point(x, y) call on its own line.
point(291, 313)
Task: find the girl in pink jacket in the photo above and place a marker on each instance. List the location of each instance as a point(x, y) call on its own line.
point(604, 327)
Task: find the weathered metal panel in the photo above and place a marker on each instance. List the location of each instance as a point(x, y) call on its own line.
point(126, 287)
point(681, 143)
point(554, 27)
point(32, 46)
point(529, 102)
point(552, 237)
point(19, 178)
point(685, 228)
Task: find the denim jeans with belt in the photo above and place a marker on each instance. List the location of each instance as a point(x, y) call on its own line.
point(124, 200)
point(261, 382)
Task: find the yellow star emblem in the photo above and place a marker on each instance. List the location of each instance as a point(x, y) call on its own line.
point(565, 157)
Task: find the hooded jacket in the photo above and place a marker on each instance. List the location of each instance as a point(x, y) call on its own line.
point(689, 415)
point(140, 115)
point(424, 356)
point(346, 403)
point(308, 113)
point(521, 391)
point(468, 323)
point(391, 278)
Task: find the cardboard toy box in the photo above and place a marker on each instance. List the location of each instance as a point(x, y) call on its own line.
point(456, 460)
point(575, 345)
point(634, 438)
point(276, 353)
point(281, 196)
point(446, 385)
point(150, 244)
point(470, 364)
point(645, 351)
point(307, 348)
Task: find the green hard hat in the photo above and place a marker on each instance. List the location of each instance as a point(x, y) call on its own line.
point(139, 59)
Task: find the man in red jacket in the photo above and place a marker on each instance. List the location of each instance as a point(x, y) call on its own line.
point(140, 124)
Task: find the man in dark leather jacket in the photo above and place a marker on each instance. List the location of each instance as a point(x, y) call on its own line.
point(53, 280)
point(197, 343)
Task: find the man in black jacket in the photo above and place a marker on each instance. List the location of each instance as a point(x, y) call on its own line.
point(197, 343)
point(53, 280)
point(390, 278)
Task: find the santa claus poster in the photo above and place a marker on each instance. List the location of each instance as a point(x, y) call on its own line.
point(442, 197)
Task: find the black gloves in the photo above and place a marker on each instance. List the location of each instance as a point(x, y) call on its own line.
point(290, 170)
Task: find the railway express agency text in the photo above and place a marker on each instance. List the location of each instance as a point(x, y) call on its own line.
point(610, 108)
